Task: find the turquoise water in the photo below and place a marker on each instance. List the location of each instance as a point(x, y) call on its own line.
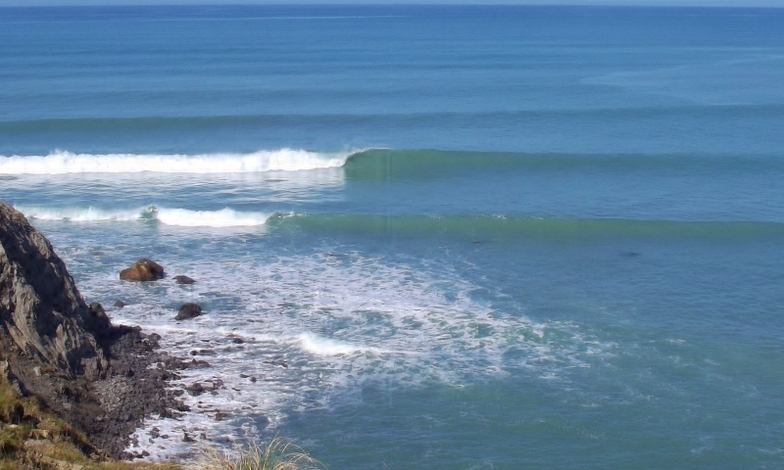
point(436, 237)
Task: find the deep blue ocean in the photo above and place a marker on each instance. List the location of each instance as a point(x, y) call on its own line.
point(472, 237)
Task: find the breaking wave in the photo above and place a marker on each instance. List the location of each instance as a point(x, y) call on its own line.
point(63, 162)
point(225, 217)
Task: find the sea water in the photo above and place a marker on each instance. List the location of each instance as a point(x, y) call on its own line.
point(426, 237)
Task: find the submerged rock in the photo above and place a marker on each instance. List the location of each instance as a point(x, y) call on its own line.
point(181, 279)
point(143, 270)
point(195, 389)
point(188, 310)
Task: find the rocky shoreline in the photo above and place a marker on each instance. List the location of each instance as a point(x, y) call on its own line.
point(102, 380)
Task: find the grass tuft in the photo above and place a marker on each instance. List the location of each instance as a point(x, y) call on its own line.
point(278, 454)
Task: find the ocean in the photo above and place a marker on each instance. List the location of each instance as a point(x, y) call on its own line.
point(441, 237)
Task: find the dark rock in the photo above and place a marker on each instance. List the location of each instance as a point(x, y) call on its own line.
point(180, 279)
point(119, 303)
point(278, 361)
point(198, 364)
point(220, 416)
point(143, 270)
point(97, 321)
point(217, 384)
point(236, 340)
point(188, 310)
point(195, 389)
point(187, 438)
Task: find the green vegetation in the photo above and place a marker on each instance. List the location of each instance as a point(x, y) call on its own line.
point(31, 437)
point(279, 454)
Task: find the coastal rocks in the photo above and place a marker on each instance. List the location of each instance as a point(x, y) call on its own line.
point(185, 280)
point(96, 377)
point(209, 386)
point(195, 389)
point(143, 270)
point(188, 310)
point(41, 311)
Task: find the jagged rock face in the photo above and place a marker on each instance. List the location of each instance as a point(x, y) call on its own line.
point(40, 308)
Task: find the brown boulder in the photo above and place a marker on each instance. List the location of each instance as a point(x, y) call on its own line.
point(142, 271)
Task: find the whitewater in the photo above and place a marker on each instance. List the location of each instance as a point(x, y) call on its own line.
point(63, 162)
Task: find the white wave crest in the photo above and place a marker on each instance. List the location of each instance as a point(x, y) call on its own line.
point(79, 214)
point(63, 162)
point(222, 218)
point(225, 217)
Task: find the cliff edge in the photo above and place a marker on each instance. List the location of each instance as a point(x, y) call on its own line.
point(99, 378)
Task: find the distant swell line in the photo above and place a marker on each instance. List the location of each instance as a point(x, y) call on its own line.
point(478, 228)
point(422, 117)
point(63, 162)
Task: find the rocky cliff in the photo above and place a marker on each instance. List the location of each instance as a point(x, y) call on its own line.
point(54, 346)
point(41, 310)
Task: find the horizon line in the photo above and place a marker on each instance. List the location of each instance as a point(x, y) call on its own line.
point(588, 4)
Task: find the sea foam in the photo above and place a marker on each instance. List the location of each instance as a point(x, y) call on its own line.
point(320, 346)
point(63, 162)
point(285, 333)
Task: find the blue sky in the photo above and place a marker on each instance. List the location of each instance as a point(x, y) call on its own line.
point(746, 3)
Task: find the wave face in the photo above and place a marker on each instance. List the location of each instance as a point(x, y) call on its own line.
point(223, 218)
point(62, 162)
point(374, 163)
point(512, 229)
point(424, 163)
